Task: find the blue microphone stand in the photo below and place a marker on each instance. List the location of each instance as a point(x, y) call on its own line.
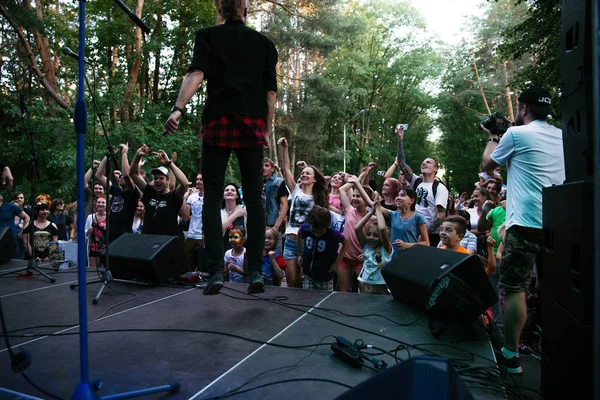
point(84, 389)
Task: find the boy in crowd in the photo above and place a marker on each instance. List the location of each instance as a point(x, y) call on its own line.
point(453, 229)
point(320, 256)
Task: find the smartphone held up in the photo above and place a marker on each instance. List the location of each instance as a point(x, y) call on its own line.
point(403, 126)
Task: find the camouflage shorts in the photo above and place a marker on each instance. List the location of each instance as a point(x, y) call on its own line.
point(521, 247)
point(313, 284)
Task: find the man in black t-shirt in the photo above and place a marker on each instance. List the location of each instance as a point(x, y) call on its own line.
point(162, 205)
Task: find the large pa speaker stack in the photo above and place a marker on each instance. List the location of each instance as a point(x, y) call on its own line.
point(567, 291)
point(567, 270)
point(450, 287)
point(577, 105)
point(147, 258)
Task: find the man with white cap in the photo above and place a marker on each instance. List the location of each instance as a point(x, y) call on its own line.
point(162, 205)
point(533, 154)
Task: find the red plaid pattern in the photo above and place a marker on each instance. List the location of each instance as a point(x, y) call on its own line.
point(234, 131)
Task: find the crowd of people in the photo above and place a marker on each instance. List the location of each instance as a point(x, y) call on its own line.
point(322, 232)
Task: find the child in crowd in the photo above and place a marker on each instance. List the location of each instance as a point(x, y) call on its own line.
point(377, 251)
point(318, 245)
point(469, 241)
point(235, 258)
point(408, 227)
point(356, 209)
point(451, 232)
point(273, 262)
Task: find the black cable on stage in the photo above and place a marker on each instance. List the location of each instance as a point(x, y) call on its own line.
point(91, 320)
point(39, 389)
point(397, 359)
point(234, 391)
point(279, 383)
point(224, 334)
point(276, 300)
point(20, 361)
point(170, 330)
point(403, 344)
point(116, 305)
point(406, 346)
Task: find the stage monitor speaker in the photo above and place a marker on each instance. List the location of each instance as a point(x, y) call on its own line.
point(152, 258)
point(567, 265)
point(450, 286)
point(7, 245)
point(416, 378)
point(567, 352)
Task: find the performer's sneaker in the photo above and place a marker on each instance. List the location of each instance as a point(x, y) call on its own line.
point(214, 285)
point(511, 365)
point(257, 285)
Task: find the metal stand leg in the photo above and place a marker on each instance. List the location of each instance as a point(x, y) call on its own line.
point(107, 277)
point(31, 266)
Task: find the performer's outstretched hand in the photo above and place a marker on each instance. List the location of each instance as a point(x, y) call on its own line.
point(172, 123)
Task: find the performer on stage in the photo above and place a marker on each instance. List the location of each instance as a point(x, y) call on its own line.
point(238, 64)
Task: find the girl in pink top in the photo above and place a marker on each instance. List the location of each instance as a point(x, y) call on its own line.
point(337, 180)
point(356, 208)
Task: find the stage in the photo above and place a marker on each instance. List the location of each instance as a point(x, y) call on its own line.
point(214, 344)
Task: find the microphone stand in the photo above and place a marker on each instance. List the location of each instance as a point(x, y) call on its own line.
point(110, 160)
point(35, 175)
point(84, 389)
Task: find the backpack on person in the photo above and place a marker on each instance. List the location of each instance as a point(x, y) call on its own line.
point(436, 183)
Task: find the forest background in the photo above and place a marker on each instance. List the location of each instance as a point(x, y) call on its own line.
point(360, 65)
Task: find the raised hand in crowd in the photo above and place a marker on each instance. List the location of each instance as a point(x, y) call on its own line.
point(301, 164)
point(143, 151)
point(366, 173)
point(135, 172)
point(400, 158)
point(89, 173)
point(162, 157)
point(124, 148)
point(7, 178)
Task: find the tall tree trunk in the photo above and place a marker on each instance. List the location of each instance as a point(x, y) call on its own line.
point(43, 46)
point(42, 78)
point(114, 60)
point(135, 67)
point(487, 107)
point(509, 103)
point(156, 73)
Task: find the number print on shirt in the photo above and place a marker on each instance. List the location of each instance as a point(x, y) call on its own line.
point(321, 244)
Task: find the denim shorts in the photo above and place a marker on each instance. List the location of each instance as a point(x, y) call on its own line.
point(290, 248)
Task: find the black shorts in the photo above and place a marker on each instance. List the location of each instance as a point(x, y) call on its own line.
point(521, 247)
